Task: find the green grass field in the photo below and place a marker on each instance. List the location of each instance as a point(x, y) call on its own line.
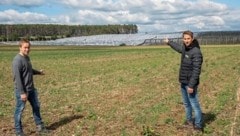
point(122, 91)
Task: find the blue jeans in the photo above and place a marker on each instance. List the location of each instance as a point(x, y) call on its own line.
point(20, 105)
point(190, 102)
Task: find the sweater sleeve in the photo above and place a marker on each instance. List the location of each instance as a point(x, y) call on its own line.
point(36, 72)
point(17, 76)
point(175, 46)
point(197, 63)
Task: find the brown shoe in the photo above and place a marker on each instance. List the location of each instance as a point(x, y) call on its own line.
point(198, 129)
point(20, 134)
point(186, 125)
point(42, 130)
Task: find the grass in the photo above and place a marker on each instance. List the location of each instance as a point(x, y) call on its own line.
point(124, 91)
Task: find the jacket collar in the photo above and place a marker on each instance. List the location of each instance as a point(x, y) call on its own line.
point(192, 45)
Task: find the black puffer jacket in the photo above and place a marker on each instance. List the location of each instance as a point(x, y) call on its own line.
point(191, 62)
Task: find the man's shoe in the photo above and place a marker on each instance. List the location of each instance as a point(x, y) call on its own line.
point(41, 129)
point(20, 134)
point(186, 125)
point(198, 129)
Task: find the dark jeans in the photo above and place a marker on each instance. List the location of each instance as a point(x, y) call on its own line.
point(20, 105)
point(190, 102)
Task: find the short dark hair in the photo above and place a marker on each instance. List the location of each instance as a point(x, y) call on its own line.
point(24, 40)
point(188, 33)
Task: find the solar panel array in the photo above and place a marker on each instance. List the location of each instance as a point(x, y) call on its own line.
point(107, 39)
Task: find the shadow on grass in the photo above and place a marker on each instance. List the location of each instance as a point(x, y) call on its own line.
point(208, 118)
point(63, 121)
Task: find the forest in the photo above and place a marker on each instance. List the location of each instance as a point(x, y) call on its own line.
point(219, 37)
point(41, 32)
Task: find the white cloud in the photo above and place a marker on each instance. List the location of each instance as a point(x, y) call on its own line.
point(114, 17)
point(12, 16)
point(93, 17)
point(149, 15)
point(202, 22)
point(24, 3)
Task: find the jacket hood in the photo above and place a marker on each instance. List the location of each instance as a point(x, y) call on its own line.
point(194, 44)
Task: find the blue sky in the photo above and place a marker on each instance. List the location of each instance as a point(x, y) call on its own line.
point(148, 15)
point(230, 3)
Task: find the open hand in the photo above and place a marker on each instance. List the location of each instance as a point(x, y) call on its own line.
point(166, 40)
point(24, 97)
point(190, 90)
point(41, 72)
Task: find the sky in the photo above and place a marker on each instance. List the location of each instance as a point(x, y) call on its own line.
point(159, 16)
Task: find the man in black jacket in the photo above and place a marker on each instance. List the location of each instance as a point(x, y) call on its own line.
point(190, 69)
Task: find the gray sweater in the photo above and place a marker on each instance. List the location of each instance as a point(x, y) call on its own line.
point(23, 73)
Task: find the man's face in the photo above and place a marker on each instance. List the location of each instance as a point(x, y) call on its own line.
point(25, 49)
point(187, 39)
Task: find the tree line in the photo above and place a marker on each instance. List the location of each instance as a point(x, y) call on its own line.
point(219, 37)
point(43, 32)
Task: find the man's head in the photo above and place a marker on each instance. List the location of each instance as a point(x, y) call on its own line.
point(24, 47)
point(187, 37)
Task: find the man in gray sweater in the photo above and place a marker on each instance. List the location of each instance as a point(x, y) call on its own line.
point(24, 88)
